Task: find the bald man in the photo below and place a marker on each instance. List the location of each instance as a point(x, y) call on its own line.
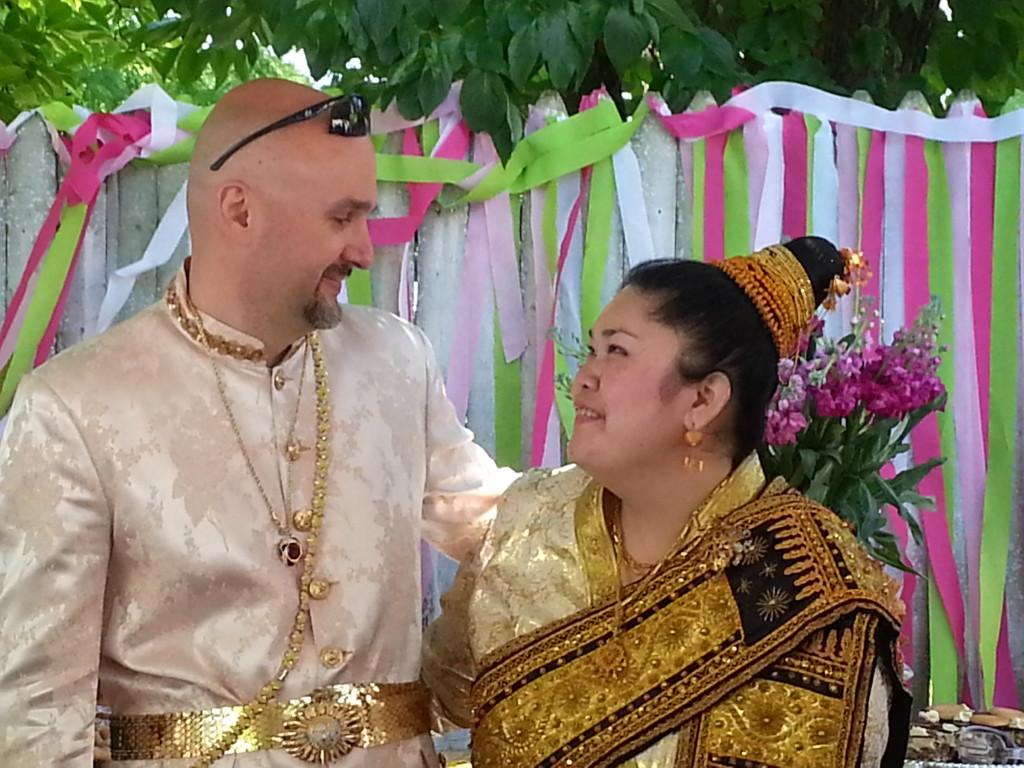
point(213, 512)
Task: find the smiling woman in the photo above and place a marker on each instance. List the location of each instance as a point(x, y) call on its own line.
point(663, 603)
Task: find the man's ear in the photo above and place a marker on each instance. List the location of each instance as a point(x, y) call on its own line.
point(233, 205)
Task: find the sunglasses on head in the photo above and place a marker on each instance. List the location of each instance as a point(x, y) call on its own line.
point(350, 116)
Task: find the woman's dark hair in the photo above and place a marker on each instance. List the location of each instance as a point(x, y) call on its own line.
point(724, 330)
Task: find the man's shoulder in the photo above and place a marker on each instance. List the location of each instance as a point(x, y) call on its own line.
point(377, 329)
point(98, 359)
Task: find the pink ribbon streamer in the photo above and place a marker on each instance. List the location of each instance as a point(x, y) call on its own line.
point(543, 314)
point(15, 316)
point(501, 245)
point(50, 335)
point(543, 438)
point(872, 216)
point(397, 230)
point(714, 198)
point(1005, 694)
point(794, 153)
point(713, 121)
point(489, 264)
point(925, 439)
point(545, 402)
point(102, 145)
point(475, 285)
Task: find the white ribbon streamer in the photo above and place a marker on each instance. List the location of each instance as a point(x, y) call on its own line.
point(825, 184)
point(891, 275)
point(769, 216)
point(164, 115)
point(158, 252)
point(756, 149)
point(632, 207)
point(827, 106)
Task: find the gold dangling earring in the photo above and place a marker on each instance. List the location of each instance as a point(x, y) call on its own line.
point(693, 439)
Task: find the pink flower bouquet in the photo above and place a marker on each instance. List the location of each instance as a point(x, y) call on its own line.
point(844, 409)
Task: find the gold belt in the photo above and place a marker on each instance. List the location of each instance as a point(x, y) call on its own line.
point(318, 728)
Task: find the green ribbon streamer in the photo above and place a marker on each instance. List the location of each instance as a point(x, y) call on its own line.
point(555, 136)
point(360, 288)
point(945, 672)
point(182, 151)
point(60, 116)
point(1002, 439)
point(944, 669)
point(430, 134)
point(425, 170)
point(173, 155)
point(737, 196)
point(813, 124)
point(561, 158)
point(53, 272)
point(863, 146)
point(559, 149)
point(508, 383)
point(508, 405)
point(563, 400)
point(700, 159)
point(554, 151)
point(596, 242)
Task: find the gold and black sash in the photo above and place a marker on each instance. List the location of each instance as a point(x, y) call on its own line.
point(756, 643)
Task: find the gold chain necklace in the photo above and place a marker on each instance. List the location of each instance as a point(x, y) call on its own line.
point(287, 490)
point(289, 547)
point(296, 638)
point(622, 554)
point(612, 655)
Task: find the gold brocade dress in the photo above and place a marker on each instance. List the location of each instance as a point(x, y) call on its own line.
point(549, 557)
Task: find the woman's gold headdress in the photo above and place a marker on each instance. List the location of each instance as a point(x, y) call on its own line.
point(781, 291)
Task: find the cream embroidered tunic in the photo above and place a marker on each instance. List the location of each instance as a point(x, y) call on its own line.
point(530, 573)
point(136, 552)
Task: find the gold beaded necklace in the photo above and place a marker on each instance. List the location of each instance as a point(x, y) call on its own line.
point(297, 636)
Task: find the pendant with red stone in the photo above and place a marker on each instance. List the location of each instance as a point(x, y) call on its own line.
point(289, 549)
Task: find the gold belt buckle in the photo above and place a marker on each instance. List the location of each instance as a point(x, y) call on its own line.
point(324, 730)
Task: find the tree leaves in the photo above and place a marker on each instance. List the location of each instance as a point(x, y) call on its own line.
point(484, 101)
point(561, 56)
point(682, 55)
point(523, 54)
point(625, 37)
point(405, 49)
point(434, 84)
point(671, 14)
point(379, 17)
